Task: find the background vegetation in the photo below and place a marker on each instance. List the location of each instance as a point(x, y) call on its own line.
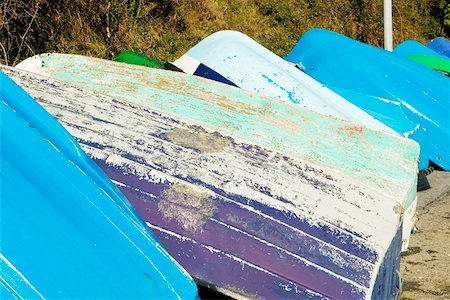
point(165, 29)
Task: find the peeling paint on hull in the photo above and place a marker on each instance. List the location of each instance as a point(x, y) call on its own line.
point(303, 228)
point(344, 147)
point(265, 121)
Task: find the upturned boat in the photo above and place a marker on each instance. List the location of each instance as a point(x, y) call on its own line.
point(424, 55)
point(412, 99)
point(441, 45)
point(66, 231)
point(233, 58)
point(252, 196)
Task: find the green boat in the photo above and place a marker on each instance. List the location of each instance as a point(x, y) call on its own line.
point(439, 64)
point(424, 55)
point(134, 58)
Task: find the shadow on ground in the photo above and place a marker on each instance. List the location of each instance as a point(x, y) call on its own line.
point(425, 267)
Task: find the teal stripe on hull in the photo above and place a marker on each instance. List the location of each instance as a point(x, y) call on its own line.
point(356, 150)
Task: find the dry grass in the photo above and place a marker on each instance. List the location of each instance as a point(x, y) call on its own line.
point(165, 29)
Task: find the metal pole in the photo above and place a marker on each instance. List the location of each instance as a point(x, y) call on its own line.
point(387, 12)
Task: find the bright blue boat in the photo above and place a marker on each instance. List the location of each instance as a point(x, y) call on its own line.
point(410, 98)
point(440, 45)
point(66, 230)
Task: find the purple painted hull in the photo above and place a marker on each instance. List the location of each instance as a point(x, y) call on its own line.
point(242, 258)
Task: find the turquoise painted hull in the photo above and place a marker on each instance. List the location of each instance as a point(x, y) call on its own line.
point(246, 218)
point(410, 98)
point(66, 231)
point(274, 124)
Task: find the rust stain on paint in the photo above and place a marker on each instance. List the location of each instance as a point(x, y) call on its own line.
point(351, 131)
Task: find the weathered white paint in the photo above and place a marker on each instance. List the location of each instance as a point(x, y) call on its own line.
point(151, 88)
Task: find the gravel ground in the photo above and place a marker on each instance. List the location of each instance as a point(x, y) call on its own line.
point(425, 267)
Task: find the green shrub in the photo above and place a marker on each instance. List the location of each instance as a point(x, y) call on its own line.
point(165, 29)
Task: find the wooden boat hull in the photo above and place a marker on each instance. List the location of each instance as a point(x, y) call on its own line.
point(251, 220)
point(356, 151)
